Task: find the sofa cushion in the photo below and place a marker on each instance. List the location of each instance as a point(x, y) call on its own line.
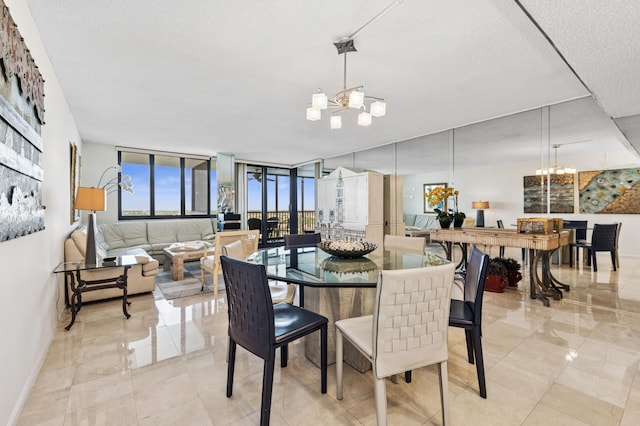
point(424, 221)
point(173, 231)
point(409, 219)
point(79, 237)
point(122, 234)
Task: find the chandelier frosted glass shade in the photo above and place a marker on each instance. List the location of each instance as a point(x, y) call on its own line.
point(378, 109)
point(319, 101)
point(556, 170)
point(313, 114)
point(356, 99)
point(364, 119)
point(336, 122)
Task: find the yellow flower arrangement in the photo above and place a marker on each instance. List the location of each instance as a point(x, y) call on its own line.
point(440, 195)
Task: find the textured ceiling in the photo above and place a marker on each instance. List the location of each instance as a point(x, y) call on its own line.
point(209, 76)
point(600, 40)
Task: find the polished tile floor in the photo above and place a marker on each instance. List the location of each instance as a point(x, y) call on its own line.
point(574, 363)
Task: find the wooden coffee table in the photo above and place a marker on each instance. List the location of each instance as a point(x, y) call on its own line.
point(180, 252)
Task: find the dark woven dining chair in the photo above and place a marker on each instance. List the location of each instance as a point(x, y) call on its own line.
point(501, 226)
point(604, 238)
point(467, 313)
point(273, 225)
point(261, 327)
point(580, 227)
point(254, 223)
point(301, 240)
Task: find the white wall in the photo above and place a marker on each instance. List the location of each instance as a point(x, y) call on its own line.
point(503, 188)
point(32, 296)
point(96, 158)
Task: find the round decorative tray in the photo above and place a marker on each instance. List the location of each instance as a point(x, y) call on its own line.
point(347, 249)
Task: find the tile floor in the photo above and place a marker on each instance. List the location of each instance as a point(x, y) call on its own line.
point(574, 363)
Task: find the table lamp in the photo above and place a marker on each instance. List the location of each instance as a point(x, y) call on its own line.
point(91, 199)
point(481, 206)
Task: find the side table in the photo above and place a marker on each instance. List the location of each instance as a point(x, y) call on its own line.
point(78, 285)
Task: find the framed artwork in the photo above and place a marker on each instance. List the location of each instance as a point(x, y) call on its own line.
point(427, 187)
point(74, 181)
point(560, 193)
point(21, 145)
point(610, 191)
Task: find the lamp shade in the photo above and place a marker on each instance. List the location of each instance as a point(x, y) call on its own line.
point(93, 199)
point(480, 205)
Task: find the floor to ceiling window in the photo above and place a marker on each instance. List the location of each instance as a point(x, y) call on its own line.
point(168, 186)
point(280, 202)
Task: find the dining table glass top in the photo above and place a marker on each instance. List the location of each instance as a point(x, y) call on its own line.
point(313, 267)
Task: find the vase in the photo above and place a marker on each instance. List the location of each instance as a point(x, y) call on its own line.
point(445, 222)
point(457, 222)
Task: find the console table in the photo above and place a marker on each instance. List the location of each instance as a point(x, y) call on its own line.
point(72, 271)
point(540, 248)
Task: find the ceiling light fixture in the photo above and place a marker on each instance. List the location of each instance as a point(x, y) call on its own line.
point(555, 169)
point(354, 97)
point(347, 98)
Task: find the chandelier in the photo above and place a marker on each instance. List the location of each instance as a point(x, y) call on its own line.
point(555, 169)
point(347, 98)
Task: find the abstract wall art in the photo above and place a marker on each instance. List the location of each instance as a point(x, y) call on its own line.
point(610, 191)
point(21, 147)
point(561, 193)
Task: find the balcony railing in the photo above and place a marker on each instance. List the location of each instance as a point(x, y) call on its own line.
point(306, 221)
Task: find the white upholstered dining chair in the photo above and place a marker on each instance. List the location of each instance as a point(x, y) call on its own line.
point(211, 263)
point(416, 244)
point(408, 330)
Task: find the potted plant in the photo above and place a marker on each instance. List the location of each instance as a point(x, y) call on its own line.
point(496, 279)
point(458, 219)
point(439, 195)
point(444, 218)
point(513, 270)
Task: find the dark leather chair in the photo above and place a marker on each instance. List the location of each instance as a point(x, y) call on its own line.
point(273, 225)
point(261, 327)
point(254, 223)
point(604, 238)
point(580, 227)
point(301, 240)
point(501, 226)
point(467, 313)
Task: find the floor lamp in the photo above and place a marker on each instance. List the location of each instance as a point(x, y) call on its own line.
point(91, 199)
point(481, 206)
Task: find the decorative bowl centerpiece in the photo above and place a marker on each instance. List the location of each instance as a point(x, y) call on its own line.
point(347, 249)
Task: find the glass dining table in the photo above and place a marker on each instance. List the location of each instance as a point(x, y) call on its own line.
point(335, 287)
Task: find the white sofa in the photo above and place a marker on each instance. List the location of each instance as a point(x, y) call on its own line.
point(418, 225)
point(144, 238)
